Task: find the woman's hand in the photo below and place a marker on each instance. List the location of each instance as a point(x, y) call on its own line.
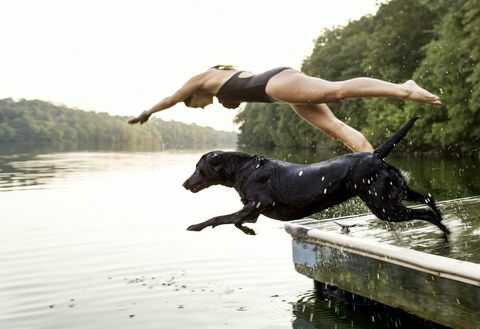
point(142, 118)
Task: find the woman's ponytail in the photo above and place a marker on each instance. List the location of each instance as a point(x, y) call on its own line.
point(224, 67)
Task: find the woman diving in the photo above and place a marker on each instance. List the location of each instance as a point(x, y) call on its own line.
point(305, 94)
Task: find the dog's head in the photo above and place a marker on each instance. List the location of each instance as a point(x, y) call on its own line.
point(208, 172)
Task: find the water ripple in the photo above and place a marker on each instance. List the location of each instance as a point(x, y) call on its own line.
point(98, 240)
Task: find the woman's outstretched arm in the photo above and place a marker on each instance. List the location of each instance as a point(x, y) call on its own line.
point(186, 90)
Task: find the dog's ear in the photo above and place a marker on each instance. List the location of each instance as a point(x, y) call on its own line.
point(215, 161)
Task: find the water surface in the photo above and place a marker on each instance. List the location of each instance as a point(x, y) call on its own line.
point(98, 240)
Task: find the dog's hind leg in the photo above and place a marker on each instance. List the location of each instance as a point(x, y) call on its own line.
point(400, 213)
point(423, 199)
point(429, 216)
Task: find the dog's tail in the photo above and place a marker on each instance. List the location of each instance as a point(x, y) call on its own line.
point(384, 150)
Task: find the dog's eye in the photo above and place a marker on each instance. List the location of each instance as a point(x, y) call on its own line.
point(201, 172)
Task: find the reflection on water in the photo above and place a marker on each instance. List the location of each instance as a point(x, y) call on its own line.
point(14, 174)
point(98, 240)
point(33, 171)
point(328, 307)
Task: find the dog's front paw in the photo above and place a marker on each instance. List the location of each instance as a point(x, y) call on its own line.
point(196, 227)
point(246, 230)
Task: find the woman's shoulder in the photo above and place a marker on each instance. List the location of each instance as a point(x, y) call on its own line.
point(214, 78)
point(206, 76)
point(215, 72)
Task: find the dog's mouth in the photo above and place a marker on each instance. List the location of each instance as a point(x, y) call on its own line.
point(196, 187)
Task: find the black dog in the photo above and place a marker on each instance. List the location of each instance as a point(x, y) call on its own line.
point(287, 191)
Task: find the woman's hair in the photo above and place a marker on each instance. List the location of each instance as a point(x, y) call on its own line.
point(187, 100)
point(224, 67)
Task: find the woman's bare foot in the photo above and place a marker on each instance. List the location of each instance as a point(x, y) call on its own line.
point(418, 94)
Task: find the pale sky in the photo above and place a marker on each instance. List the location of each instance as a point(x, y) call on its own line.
point(123, 56)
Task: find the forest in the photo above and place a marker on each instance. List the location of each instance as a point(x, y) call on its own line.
point(35, 121)
point(434, 42)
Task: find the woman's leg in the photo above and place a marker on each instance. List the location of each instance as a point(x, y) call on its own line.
point(297, 88)
point(321, 117)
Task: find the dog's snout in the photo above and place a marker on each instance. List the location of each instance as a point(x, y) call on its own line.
point(194, 183)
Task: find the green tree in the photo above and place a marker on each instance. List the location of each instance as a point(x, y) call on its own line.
point(433, 42)
point(451, 66)
point(38, 121)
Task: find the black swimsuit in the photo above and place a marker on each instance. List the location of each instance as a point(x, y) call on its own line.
point(250, 89)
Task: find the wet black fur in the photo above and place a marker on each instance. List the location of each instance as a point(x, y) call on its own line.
point(287, 191)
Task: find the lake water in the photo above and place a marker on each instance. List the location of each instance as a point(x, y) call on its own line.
point(97, 240)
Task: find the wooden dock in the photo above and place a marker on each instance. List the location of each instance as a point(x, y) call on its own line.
point(403, 265)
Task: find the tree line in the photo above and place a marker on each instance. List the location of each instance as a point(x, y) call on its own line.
point(27, 121)
point(434, 42)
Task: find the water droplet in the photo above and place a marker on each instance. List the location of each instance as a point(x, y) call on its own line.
point(300, 173)
point(325, 191)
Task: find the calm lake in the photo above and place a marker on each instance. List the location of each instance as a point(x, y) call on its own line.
point(97, 239)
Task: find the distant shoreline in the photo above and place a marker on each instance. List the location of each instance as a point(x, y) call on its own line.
point(36, 121)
